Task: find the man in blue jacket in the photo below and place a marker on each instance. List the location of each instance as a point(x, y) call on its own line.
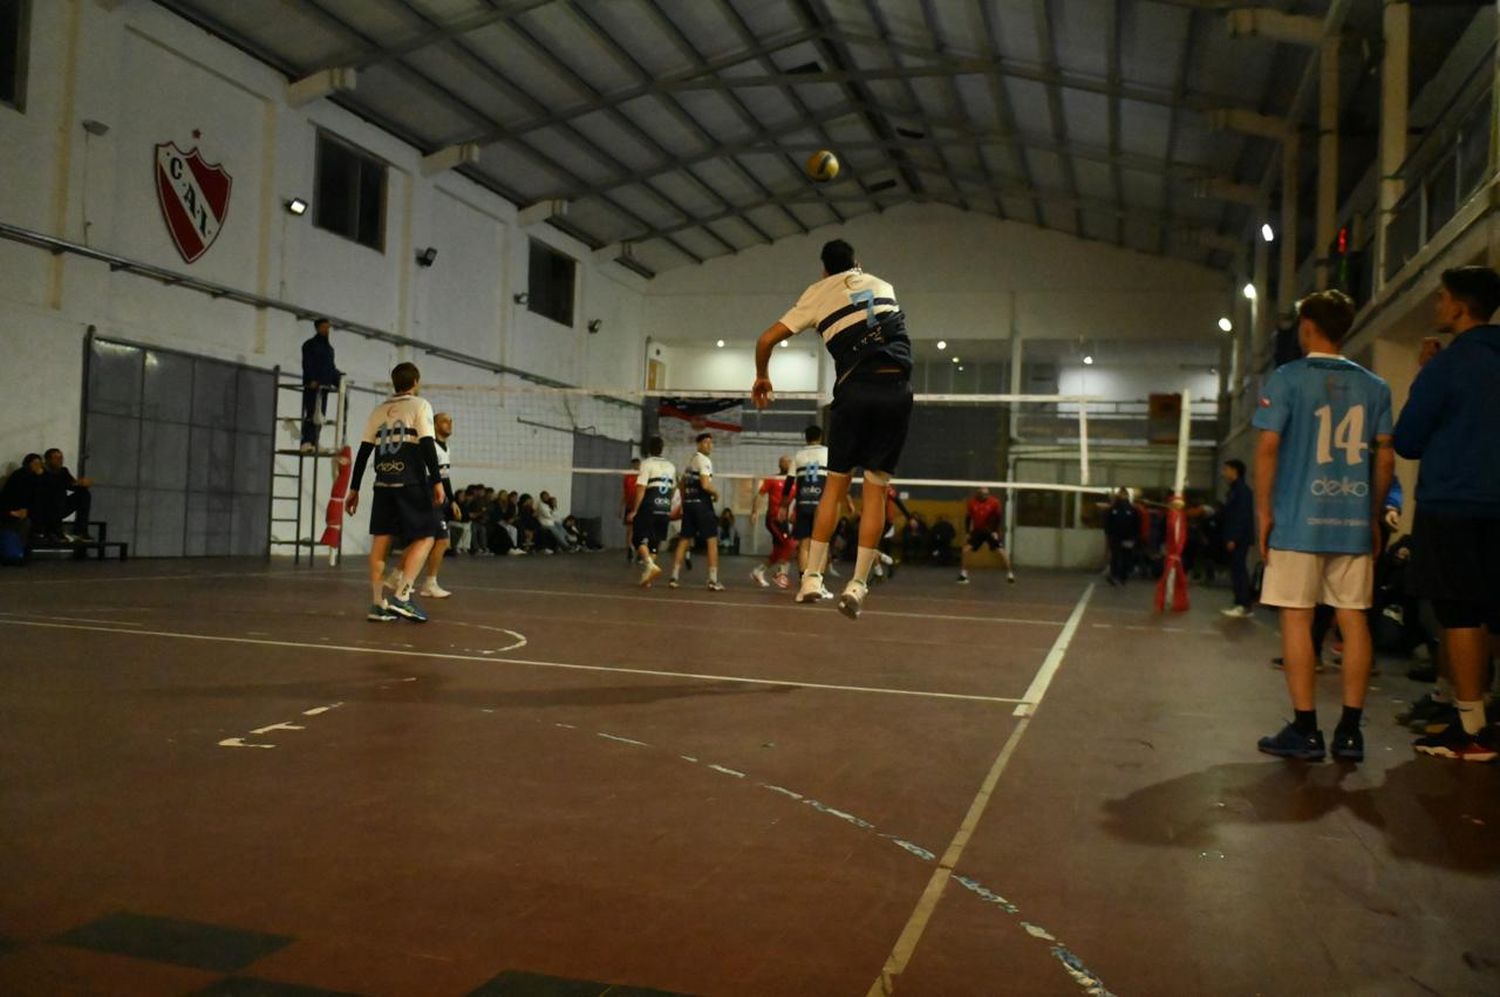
point(319, 376)
point(1451, 423)
point(1238, 524)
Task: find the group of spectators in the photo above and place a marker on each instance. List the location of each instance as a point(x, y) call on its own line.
point(37, 499)
point(496, 522)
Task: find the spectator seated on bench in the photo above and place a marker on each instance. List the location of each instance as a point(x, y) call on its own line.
point(60, 495)
point(17, 499)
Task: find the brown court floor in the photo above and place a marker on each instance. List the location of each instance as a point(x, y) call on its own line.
point(218, 778)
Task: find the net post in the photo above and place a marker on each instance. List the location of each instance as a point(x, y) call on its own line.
point(1083, 443)
point(1184, 437)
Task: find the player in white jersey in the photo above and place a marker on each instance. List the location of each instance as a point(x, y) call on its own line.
point(442, 425)
point(399, 434)
point(810, 471)
point(864, 330)
point(698, 519)
point(651, 513)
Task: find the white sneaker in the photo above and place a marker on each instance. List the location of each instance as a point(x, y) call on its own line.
point(853, 598)
point(715, 587)
point(824, 595)
point(759, 574)
point(432, 590)
point(1237, 613)
point(515, 552)
point(811, 589)
point(886, 558)
point(650, 573)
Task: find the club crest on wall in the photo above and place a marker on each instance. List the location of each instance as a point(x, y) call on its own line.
point(194, 198)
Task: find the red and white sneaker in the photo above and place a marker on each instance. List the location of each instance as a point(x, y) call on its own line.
point(782, 580)
point(1456, 743)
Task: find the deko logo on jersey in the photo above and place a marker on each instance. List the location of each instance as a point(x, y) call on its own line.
point(1339, 488)
point(194, 198)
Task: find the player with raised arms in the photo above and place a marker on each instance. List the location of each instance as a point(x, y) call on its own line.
point(408, 488)
point(864, 330)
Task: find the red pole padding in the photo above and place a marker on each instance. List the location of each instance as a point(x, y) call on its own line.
point(1172, 589)
point(334, 518)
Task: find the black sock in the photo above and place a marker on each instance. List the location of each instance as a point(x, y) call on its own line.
point(1349, 719)
point(1305, 721)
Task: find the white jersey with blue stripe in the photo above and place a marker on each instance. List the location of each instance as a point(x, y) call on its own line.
point(658, 480)
point(395, 429)
point(811, 469)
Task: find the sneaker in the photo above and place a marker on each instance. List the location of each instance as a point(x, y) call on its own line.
point(650, 573)
point(381, 613)
point(1288, 743)
point(1237, 612)
point(811, 588)
point(1010, 579)
point(407, 609)
point(853, 598)
point(714, 586)
point(306, 448)
point(687, 562)
point(1457, 743)
point(515, 552)
point(782, 580)
point(432, 590)
point(963, 579)
point(1348, 745)
point(824, 595)
point(673, 583)
point(1437, 721)
point(886, 559)
point(759, 574)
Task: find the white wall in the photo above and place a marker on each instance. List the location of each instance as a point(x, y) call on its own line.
point(691, 366)
point(153, 78)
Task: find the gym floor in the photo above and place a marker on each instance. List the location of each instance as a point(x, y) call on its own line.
point(219, 778)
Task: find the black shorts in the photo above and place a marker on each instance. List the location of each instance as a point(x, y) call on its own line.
point(699, 521)
point(802, 527)
point(1455, 562)
point(405, 511)
point(868, 425)
point(980, 538)
point(649, 530)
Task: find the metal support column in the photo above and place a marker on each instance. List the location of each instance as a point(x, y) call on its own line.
point(1287, 291)
point(1328, 154)
point(1395, 80)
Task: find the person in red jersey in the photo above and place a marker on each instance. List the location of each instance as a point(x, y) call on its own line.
point(778, 493)
point(986, 521)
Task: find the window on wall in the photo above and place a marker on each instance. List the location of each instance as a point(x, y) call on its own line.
point(350, 197)
point(549, 285)
point(14, 29)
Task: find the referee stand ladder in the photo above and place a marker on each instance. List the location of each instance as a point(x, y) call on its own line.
point(294, 508)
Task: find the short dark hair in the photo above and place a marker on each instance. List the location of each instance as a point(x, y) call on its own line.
point(404, 376)
point(812, 434)
point(703, 436)
point(837, 256)
point(319, 321)
point(1238, 465)
point(1478, 288)
point(29, 458)
point(49, 452)
point(635, 460)
point(655, 446)
point(1331, 311)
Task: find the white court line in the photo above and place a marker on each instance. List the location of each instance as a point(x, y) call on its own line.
point(148, 578)
point(71, 619)
point(792, 608)
point(569, 666)
point(911, 934)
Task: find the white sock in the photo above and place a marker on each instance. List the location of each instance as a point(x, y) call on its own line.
point(1471, 713)
point(817, 557)
point(864, 560)
point(713, 575)
point(963, 572)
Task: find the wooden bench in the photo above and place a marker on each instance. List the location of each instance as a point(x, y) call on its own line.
point(101, 544)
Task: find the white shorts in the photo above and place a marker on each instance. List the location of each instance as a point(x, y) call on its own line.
point(1296, 580)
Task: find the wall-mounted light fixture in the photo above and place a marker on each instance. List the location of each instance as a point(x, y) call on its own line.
point(1267, 232)
point(1088, 360)
point(426, 257)
point(95, 127)
point(296, 206)
point(595, 324)
point(942, 344)
point(1225, 325)
point(520, 297)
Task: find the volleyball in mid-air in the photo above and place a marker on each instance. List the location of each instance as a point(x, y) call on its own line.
point(822, 166)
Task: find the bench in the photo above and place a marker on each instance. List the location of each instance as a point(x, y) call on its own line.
point(101, 544)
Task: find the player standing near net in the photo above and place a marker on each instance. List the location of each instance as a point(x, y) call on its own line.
point(985, 516)
point(400, 434)
point(699, 521)
point(651, 514)
point(1323, 466)
point(810, 468)
point(442, 425)
point(778, 492)
point(864, 330)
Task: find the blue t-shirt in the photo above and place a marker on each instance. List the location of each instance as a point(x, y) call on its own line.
point(1329, 411)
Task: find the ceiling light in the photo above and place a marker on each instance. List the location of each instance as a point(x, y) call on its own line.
point(297, 206)
point(720, 344)
point(1267, 232)
point(1088, 361)
point(1226, 325)
point(955, 359)
point(942, 344)
point(1249, 291)
point(960, 368)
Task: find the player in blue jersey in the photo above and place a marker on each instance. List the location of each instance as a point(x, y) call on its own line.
point(408, 492)
point(1323, 466)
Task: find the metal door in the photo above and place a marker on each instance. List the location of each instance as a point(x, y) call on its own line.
point(598, 495)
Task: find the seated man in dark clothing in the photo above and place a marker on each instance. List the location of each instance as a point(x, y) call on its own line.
point(19, 496)
point(942, 536)
point(914, 542)
point(61, 495)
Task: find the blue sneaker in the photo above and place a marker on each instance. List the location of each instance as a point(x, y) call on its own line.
point(1288, 743)
point(381, 613)
point(1348, 746)
point(407, 608)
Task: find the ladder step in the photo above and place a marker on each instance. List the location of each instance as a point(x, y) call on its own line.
point(283, 519)
point(284, 474)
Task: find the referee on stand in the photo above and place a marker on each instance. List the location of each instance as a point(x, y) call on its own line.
point(319, 377)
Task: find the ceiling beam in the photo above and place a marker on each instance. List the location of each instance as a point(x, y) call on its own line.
point(955, 99)
point(374, 55)
point(1042, 17)
point(1112, 15)
point(1190, 40)
point(1004, 112)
